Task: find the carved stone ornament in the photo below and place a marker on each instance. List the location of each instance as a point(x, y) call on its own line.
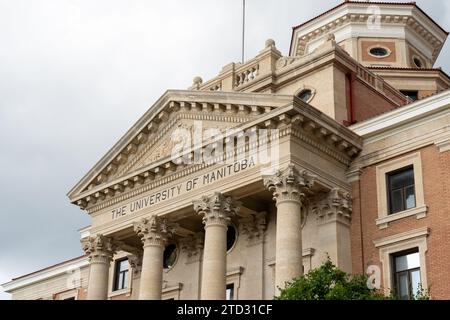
point(135, 261)
point(154, 231)
point(254, 226)
point(99, 248)
point(336, 206)
point(216, 209)
point(289, 184)
point(192, 246)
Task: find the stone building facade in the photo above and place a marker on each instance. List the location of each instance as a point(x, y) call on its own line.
point(339, 149)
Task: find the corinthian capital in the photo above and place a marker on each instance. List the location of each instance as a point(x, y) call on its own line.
point(154, 231)
point(336, 206)
point(99, 248)
point(289, 184)
point(216, 209)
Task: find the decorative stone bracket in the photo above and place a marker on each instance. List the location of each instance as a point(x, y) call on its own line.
point(336, 206)
point(254, 226)
point(192, 246)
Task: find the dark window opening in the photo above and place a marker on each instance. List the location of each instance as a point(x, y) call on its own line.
point(413, 95)
point(379, 52)
point(407, 280)
point(231, 237)
point(401, 190)
point(305, 95)
point(418, 62)
point(170, 256)
point(121, 274)
point(230, 292)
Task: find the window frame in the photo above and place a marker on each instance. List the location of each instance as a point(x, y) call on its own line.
point(232, 291)
point(420, 211)
point(117, 273)
point(379, 46)
point(304, 88)
point(398, 243)
point(390, 190)
point(395, 273)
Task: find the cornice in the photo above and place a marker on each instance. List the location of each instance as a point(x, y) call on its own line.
point(410, 20)
point(47, 273)
point(298, 119)
point(409, 113)
point(225, 103)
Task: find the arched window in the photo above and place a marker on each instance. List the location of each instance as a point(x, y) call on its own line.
point(231, 237)
point(418, 62)
point(170, 256)
point(305, 95)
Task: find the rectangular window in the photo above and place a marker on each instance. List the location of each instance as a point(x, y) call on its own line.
point(121, 274)
point(401, 190)
point(407, 274)
point(230, 291)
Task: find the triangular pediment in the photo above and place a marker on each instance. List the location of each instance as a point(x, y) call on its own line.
point(150, 139)
point(164, 141)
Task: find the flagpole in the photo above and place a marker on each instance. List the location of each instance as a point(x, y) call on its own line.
point(243, 30)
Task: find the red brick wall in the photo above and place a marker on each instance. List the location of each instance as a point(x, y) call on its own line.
point(436, 176)
point(367, 102)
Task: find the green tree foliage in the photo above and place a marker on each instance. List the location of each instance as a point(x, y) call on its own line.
point(329, 283)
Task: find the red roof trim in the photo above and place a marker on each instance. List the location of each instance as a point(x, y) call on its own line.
point(52, 266)
point(411, 69)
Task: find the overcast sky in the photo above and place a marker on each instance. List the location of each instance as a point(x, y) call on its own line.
point(75, 75)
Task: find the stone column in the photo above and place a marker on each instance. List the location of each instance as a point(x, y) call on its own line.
point(100, 250)
point(288, 187)
point(154, 233)
point(216, 211)
point(333, 213)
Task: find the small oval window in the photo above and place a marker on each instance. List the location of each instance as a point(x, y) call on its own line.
point(170, 256)
point(231, 237)
point(305, 95)
point(418, 62)
point(379, 52)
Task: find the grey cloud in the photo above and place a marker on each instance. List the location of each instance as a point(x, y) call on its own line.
point(75, 75)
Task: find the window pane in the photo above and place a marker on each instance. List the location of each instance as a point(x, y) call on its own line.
point(407, 262)
point(415, 281)
point(402, 179)
point(123, 265)
point(230, 292)
point(410, 197)
point(170, 256)
point(125, 280)
point(120, 281)
point(396, 201)
point(402, 285)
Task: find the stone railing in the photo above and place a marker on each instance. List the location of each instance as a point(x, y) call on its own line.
point(236, 76)
point(246, 74)
point(378, 83)
point(366, 76)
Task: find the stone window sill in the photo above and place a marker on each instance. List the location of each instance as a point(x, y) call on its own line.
point(126, 291)
point(419, 212)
